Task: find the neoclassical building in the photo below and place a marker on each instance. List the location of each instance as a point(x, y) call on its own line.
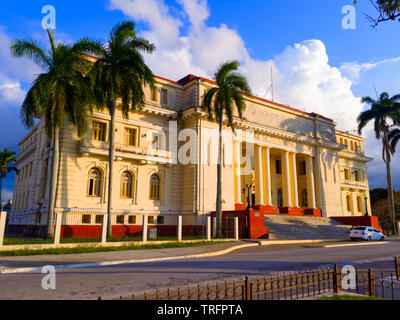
point(279, 159)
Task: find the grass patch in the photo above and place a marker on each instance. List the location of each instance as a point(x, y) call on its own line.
point(20, 241)
point(350, 297)
point(83, 249)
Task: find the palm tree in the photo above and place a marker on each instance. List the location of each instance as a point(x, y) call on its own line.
point(61, 90)
point(120, 72)
point(220, 100)
point(7, 159)
point(394, 138)
point(384, 109)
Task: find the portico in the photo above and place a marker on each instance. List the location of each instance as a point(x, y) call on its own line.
point(282, 180)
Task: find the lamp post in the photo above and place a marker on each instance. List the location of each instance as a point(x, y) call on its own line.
point(248, 187)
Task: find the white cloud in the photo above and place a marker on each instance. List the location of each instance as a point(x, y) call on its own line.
point(353, 70)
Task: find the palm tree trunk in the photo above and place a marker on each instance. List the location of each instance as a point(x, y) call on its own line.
point(390, 192)
point(55, 157)
point(219, 182)
point(111, 168)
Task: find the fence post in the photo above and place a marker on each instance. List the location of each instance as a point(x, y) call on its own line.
point(3, 219)
point(57, 232)
point(214, 227)
point(397, 267)
point(179, 228)
point(336, 279)
point(247, 288)
point(370, 284)
point(104, 227)
point(144, 229)
point(208, 228)
point(236, 228)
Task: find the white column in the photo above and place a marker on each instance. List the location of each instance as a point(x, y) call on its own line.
point(57, 233)
point(104, 229)
point(179, 228)
point(259, 175)
point(236, 228)
point(238, 149)
point(287, 195)
point(208, 228)
point(3, 216)
point(310, 183)
point(294, 173)
point(144, 229)
point(268, 177)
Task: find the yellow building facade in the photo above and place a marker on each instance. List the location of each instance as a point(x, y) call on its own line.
point(278, 157)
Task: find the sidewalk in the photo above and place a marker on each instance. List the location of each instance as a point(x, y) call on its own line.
point(7, 264)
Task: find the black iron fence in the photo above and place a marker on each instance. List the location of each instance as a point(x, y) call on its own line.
point(307, 284)
point(29, 228)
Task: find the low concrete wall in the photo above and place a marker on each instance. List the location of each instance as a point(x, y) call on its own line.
point(370, 221)
point(96, 244)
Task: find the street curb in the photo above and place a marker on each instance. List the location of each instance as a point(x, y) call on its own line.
point(119, 262)
point(271, 242)
point(354, 244)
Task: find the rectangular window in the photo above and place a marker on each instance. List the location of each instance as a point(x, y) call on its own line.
point(164, 96)
point(160, 220)
point(132, 219)
point(278, 167)
point(87, 219)
point(130, 137)
point(99, 219)
point(303, 168)
point(99, 131)
point(120, 219)
point(150, 220)
point(357, 175)
point(156, 142)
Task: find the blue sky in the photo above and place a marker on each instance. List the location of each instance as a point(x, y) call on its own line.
point(318, 65)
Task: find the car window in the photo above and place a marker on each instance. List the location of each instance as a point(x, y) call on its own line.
point(360, 228)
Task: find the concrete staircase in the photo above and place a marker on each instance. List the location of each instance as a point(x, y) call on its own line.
point(284, 227)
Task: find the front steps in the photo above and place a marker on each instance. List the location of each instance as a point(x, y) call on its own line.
point(284, 227)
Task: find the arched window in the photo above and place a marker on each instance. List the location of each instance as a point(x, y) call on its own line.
point(155, 187)
point(304, 198)
point(94, 183)
point(348, 200)
point(126, 185)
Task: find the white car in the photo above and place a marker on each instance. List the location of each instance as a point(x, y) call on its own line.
point(366, 233)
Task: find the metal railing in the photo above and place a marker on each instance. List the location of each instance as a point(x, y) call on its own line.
point(286, 286)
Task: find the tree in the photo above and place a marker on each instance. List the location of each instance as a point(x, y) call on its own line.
point(61, 90)
point(388, 10)
point(7, 160)
point(120, 72)
point(394, 137)
point(219, 100)
point(383, 110)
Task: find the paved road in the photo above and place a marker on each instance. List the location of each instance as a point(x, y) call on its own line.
point(112, 282)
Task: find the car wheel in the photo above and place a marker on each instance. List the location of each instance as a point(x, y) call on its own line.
point(369, 238)
point(382, 238)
